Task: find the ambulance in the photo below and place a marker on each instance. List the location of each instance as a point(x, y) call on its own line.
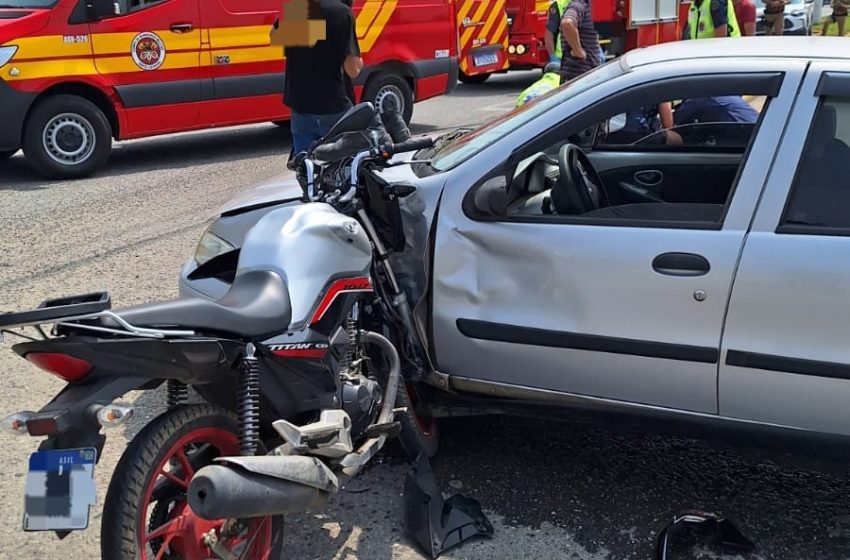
point(77, 74)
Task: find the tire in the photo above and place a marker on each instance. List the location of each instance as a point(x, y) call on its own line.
point(67, 137)
point(418, 434)
point(7, 154)
point(127, 511)
point(389, 84)
point(474, 79)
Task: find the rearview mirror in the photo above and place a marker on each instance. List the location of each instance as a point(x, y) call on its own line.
point(491, 198)
point(355, 119)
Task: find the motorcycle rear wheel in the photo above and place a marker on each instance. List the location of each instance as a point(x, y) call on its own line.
point(146, 516)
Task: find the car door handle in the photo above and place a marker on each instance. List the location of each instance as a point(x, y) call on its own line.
point(681, 264)
point(182, 27)
point(649, 178)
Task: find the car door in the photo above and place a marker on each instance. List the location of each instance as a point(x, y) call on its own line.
point(151, 55)
point(630, 310)
point(786, 357)
point(245, 69)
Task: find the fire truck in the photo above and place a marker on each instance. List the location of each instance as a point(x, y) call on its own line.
point(76, 74)
point(622, 25)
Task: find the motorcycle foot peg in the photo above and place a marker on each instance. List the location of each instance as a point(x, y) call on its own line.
point(391, 430)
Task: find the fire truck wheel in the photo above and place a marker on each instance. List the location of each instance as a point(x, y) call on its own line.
point(67, 137)
point(7, 154)
point(383, 87)
point(475, 79)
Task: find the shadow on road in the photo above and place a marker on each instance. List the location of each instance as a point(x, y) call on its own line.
point(174, 152)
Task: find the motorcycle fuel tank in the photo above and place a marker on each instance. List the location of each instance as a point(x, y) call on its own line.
point(308, 245)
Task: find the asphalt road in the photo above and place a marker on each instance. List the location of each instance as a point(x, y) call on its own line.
point(551, 490)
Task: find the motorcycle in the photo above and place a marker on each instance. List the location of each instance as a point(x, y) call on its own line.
point(306, 368)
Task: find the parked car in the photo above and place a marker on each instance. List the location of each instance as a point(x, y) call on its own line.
point(704, 283)
point(799, 17)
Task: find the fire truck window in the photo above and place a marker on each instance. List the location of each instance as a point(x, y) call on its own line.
point(136, 5)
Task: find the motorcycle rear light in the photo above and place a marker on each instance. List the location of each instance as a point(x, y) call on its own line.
point(16, 423)
point(63, 366)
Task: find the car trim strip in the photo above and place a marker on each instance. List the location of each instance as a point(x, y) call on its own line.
point(513, 334)
point(784, 364)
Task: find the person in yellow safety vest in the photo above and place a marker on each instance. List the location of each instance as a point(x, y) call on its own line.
point(550, 80)
point(712, 18)
point(552, 37)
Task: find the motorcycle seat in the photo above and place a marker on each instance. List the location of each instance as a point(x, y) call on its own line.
point(257, 304)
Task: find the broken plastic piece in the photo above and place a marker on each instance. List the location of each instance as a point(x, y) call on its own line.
point(434, 524)
point(720, 530)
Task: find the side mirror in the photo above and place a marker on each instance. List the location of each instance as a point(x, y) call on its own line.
point(101, 9)
point(617, 123)
point(491, 198)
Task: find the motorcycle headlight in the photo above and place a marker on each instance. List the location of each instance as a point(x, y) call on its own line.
point(209, 247)
point(6, 54)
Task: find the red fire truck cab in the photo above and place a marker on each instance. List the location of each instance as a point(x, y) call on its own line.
point(76, 74)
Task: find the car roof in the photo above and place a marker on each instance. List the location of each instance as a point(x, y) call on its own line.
point(780, 47)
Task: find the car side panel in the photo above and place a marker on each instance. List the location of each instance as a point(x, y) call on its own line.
point(786, 355)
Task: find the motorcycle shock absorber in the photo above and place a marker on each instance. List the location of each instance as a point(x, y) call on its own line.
point(176, 393)
point(248, 402)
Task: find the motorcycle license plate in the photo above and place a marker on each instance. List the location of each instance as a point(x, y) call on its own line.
point(486, 59)
point(59, 490)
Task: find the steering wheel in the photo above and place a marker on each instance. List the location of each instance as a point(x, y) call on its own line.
point(579, 188)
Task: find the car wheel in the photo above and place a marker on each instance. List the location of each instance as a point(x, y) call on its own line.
point(67, 137)
point(383, 87)
point(475, 79)
point(7, 154)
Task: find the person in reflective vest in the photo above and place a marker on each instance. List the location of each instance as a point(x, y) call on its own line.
point(550, 80)
point(552, 38)
point(712, 18)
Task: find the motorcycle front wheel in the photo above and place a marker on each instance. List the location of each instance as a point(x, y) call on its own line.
point(146, 515)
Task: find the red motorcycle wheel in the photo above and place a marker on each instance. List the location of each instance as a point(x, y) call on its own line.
point(146, 516)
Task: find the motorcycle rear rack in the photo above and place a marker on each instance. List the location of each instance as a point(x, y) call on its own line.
point(63, 311)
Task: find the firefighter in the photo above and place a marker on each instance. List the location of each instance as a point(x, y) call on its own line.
point(712, 18)
point(550, 80)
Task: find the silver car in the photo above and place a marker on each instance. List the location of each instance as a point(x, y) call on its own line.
point(701, 276)
point(799, 17)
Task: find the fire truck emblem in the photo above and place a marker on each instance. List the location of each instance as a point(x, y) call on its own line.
point(148, 51)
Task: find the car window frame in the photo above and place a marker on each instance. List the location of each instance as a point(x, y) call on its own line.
point(767, 83)
point(831, 84)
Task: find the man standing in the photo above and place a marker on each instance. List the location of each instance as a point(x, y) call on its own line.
point(315, 88)
point(745, 13)
point(582, 41)
point(712, 18)
point(774, 16)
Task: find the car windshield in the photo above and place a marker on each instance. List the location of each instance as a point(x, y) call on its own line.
point(27, 3)
point(456, 152)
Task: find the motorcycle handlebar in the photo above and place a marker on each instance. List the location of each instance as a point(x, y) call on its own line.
point(411, 145)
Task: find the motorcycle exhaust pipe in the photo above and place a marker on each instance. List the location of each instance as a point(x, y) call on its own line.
point(219, 492)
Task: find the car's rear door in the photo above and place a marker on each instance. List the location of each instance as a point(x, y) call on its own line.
point(608, 308)
point(151, 55)
point(786, 357)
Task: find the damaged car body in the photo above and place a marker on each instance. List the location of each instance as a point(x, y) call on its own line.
point(554, 268)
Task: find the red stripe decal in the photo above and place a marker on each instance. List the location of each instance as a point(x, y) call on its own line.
point(342, 285)
point(302, 353)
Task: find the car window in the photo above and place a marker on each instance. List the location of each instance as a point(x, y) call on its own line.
point(137, 5)
point(458, 151)
point(658, 163)
point(820, 196)
point(712, 122)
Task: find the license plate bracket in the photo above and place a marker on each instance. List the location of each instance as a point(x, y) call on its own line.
point(59, 490)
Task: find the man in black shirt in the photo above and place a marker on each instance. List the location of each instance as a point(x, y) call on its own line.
point(315, 87)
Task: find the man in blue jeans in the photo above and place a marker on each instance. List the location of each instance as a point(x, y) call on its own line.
point(315, 87)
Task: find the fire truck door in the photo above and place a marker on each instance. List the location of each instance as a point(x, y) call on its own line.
point(151, 56)
point(482, 27)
